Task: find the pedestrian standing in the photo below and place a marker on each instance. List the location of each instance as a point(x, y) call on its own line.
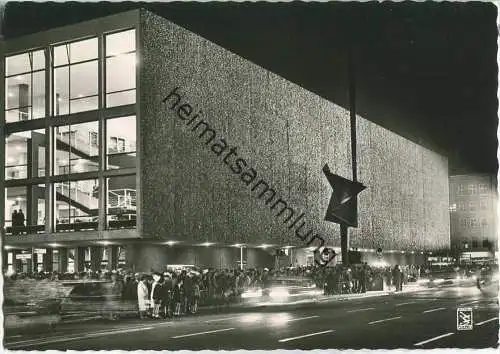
point(156, 295)
point(167, 288)
point(178, 296)
point(142, 297)
point(397, 278)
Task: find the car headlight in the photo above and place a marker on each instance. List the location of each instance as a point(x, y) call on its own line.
point(251, 294)
point(278, 293)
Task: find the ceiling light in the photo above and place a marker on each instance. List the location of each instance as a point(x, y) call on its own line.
point(206, 244)
point(8, 247)
point(104, 243)
point(237, 245)
point(54, 245)
point(170, 243)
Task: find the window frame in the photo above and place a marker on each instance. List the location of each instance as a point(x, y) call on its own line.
point(31, 73)
point(54, 67)
point(105, 65)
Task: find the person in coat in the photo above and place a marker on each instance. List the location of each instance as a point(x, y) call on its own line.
point(397, 278)
point(156, 295)
point(178, 296)
point(167, 288)
point(142, 297)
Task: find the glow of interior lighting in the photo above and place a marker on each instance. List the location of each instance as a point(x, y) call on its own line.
point(54, 245)
point(7, 247)
point(19, 77)
point(264, 246)
point(380, 264)
point(237, 245)
point(10, 94)
point(206, 244)
point(170, 243)
point(104, 243)
point(63, 162)
point(19, 147)
point(19, 199)
point(80, 95)
point(11, 160)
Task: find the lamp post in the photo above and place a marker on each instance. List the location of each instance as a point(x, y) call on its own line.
point(241, 257)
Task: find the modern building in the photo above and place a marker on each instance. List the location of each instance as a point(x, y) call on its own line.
point(474, 215)
point(130, 141)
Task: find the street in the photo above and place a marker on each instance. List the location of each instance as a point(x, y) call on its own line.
point(420, 320)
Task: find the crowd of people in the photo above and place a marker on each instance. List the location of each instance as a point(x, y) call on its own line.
point(181, 291)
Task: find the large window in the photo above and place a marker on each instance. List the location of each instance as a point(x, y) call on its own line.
point(25, 86)
point(76, 70)
point(472, 189)
point(120, 68)
point(25, 155)
point(77, 205)
point(121, 142)
point(121, 202)
point(25, 209)
point(77, 148)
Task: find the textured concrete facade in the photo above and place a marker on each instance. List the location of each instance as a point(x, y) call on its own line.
point(405, 206)
point(286, 134)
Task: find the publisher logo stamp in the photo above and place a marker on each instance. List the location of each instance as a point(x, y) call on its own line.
point(464, 319)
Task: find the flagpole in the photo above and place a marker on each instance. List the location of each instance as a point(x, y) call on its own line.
point(344, 231)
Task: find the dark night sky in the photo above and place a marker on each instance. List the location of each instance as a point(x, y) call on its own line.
point(427, 71)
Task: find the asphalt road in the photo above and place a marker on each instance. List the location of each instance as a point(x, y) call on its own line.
point(420, 320)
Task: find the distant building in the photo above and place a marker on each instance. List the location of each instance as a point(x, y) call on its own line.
point(473, 213)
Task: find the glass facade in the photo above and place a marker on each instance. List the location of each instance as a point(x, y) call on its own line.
point(25, 86)
point(120, 68)
point(76, 71)
point(77, 148)
point(120, 138)
point(121, 202)
point(25, 209)
point(25, 155)
point(75, 163)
